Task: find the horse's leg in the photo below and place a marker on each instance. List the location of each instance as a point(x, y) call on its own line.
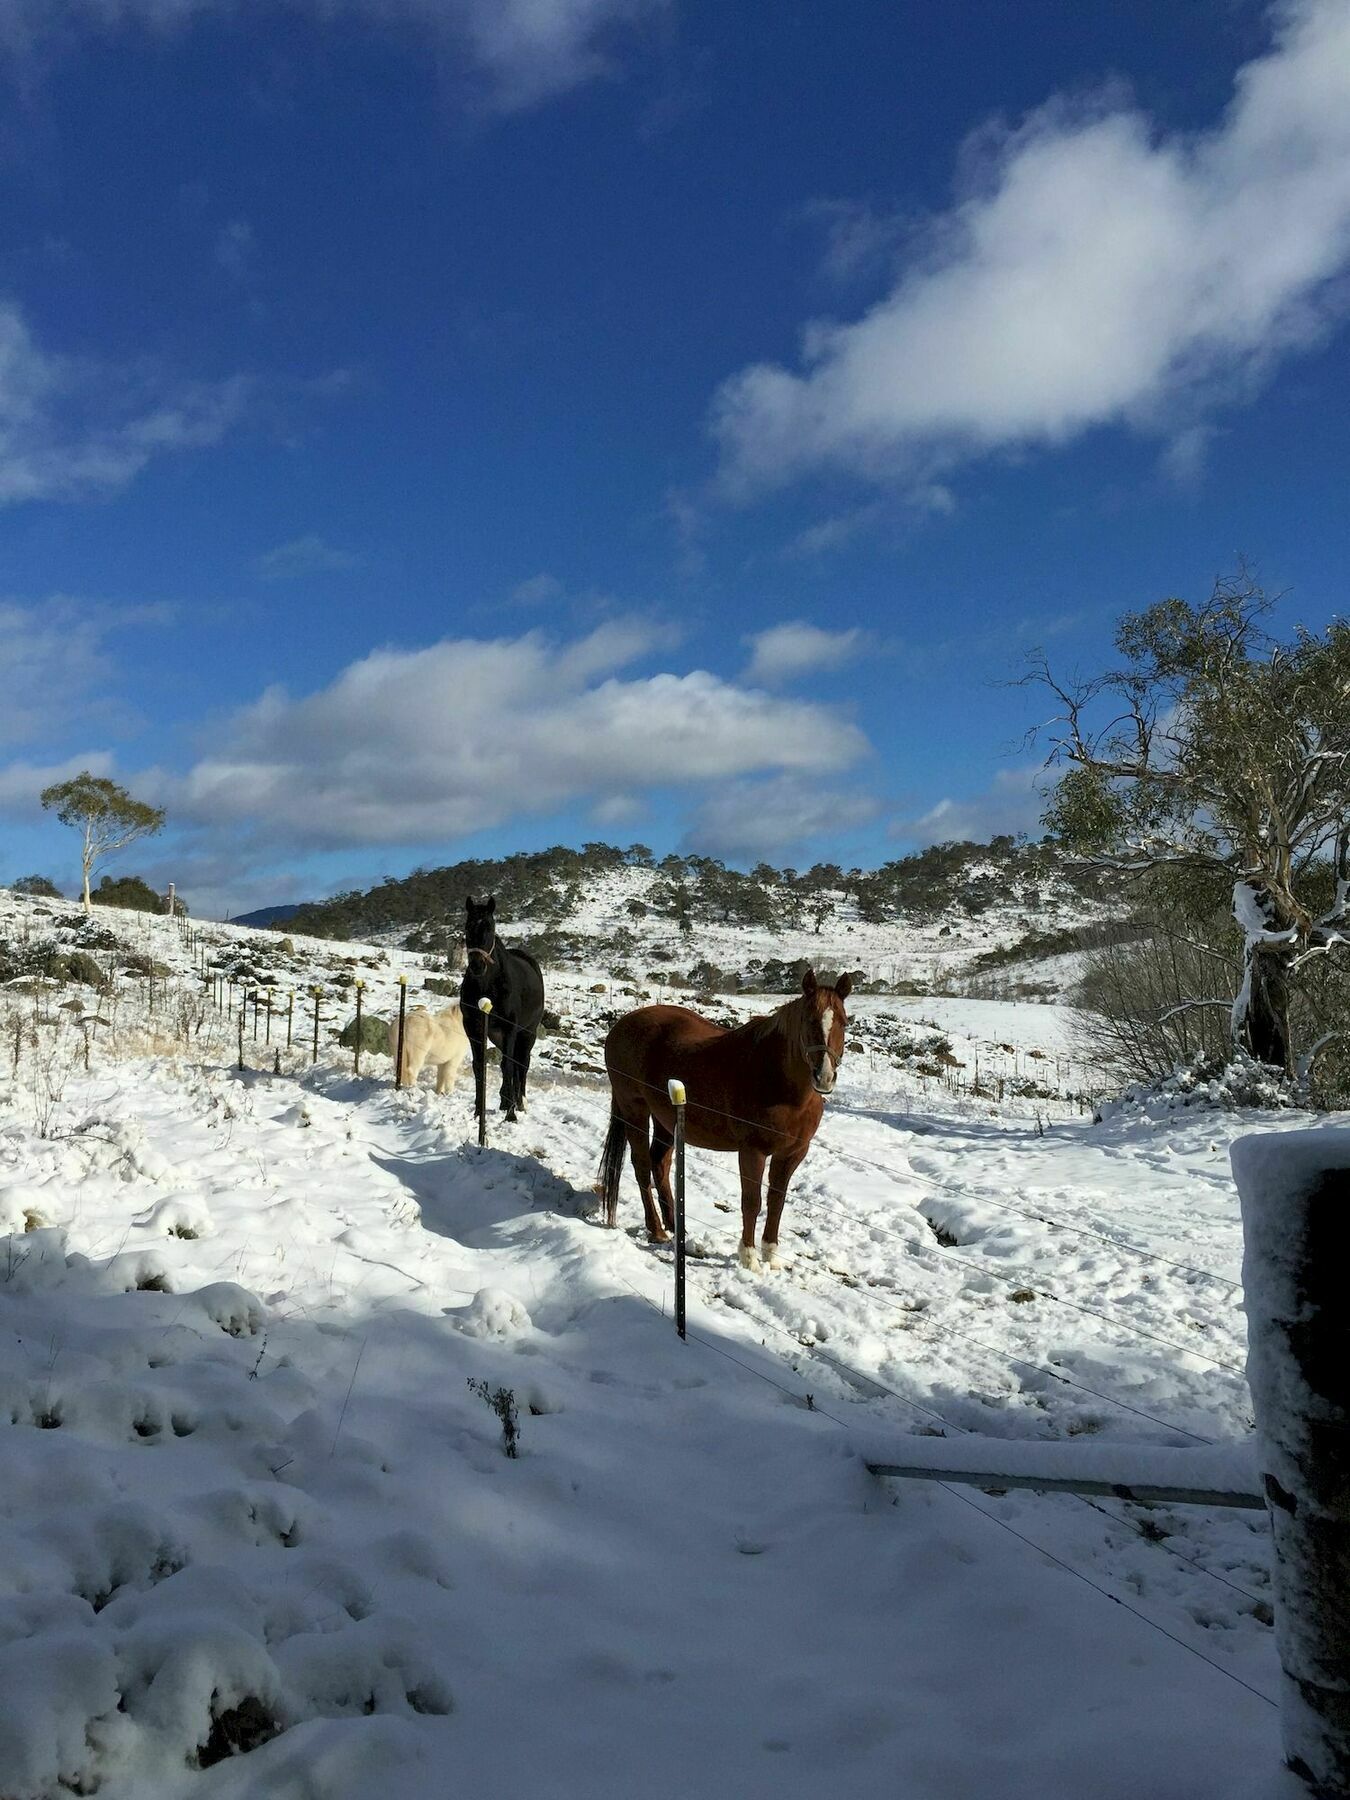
point(642, 1169)
point(752, 1177)
point(524, 1046)
point(781, 1170)
point(662, 1146)
point(507, 1102)
point(450, 1072)
point(478, 1052)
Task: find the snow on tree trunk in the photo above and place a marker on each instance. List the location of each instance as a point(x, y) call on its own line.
point(1295, 1189)
point(1261, 1009)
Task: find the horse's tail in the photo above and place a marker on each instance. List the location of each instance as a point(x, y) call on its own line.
point(611, 1167)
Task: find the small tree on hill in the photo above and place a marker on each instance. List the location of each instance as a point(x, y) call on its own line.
point(37, 887)
point(1219, 756)
point(133, 894)
point(105, 815)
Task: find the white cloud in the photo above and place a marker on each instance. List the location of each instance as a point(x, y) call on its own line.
point(618, 809)
point(307, 555)
point(1013, 802)
point(526, 50)
point(22, 782)
point(785, 652)
point(54, 660)
point(832, 532)
point(1102, 272)
point(538, 590)
point(747, 821)
point(414, 746)
point(859, 238)
point(70, 429)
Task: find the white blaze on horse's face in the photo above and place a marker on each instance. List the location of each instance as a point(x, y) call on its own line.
point(824, 1064)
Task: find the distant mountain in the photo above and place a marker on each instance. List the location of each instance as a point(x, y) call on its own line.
point(266, 915)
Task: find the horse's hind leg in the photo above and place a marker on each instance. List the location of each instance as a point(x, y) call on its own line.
point(662, 1146)
point(524, 1049)
point(642, 1169)
point(507, 1101)
point(752, 1179)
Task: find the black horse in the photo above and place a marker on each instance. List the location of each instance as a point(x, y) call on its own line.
point(513, 981)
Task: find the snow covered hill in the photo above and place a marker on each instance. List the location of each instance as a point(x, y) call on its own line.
point(260, 1533)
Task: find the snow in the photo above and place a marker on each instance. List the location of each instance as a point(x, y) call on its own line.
point(1227, 1469)
point(259, 1536)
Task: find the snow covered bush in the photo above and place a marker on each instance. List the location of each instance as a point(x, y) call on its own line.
point(1226, 1085)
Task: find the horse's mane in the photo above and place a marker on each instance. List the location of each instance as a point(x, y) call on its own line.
point(774, 1024)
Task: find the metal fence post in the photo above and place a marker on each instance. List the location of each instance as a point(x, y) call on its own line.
point(318, 998)
point(290, 1015)
point(676, 1091)
point(1295, 1190)
point(268, 1038)
point(241, 1037)
point(398, 1038)
point(356, 1053)
point(257, 1003)
point(480, 1074)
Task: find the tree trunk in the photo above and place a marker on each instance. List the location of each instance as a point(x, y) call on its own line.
point(88, 903)
point(1265, 1026)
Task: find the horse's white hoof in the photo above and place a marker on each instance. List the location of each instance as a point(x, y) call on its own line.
point(771, 1258)
point(749, 1257)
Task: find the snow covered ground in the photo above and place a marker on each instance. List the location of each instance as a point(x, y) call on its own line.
point(259, 1535)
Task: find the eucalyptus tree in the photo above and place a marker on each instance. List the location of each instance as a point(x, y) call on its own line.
point(1217, 753)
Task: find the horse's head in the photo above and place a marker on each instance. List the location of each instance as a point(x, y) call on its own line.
point(823, 1022)
point(480, 927)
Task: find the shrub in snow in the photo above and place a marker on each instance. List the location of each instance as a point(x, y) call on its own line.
point(32, 1262)
point(124, 1548)
point(1228, 1086)
point(57, 1690)
point(502, 1400)
point(138, 1271)
point(24, 1208)
point(493, 1313)
point(376, 1034)
point(180, 1217)
point(205, 1689)
point(233, 1308)
point(372, 1667)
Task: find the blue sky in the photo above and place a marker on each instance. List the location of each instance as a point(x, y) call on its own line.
point(434, 427)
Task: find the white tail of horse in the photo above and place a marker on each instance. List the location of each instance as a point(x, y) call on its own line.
point(436, 1038)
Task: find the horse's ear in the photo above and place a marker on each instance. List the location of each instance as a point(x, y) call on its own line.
point(468, 902)
point(809, 982)
point(844, 986)
point(492, 903)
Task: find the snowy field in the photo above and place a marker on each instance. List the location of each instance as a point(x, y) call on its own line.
point(259, 1536)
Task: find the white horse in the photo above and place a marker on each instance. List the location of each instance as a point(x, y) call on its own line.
point(436, 1038)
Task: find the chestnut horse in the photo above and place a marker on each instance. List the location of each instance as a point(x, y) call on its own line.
point(758, 1090)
